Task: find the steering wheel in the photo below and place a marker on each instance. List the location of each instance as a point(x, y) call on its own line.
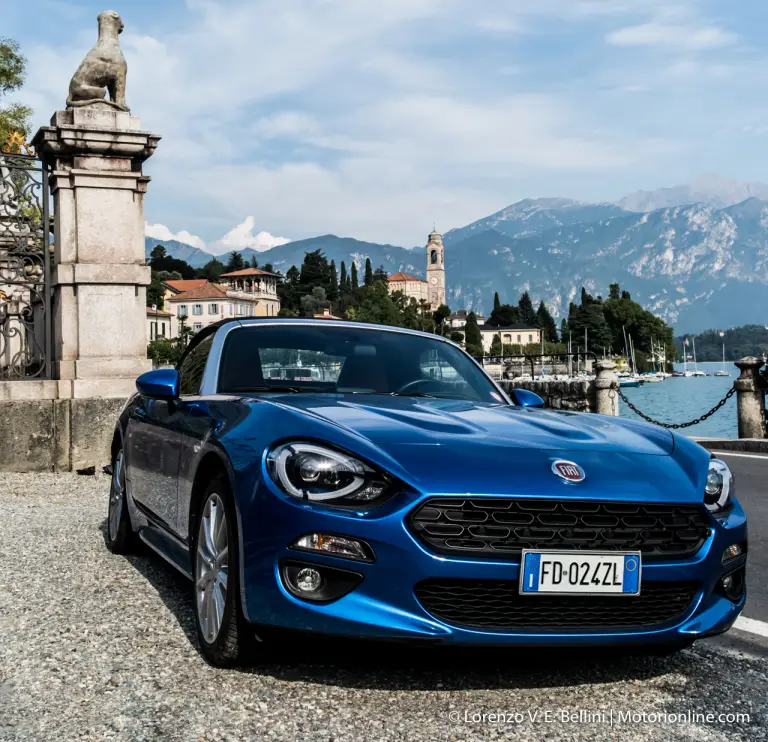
point(413, 385)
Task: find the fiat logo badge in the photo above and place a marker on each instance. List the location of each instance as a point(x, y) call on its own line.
point(568, 471)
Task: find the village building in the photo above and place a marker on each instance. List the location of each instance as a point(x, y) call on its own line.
point(158, 324)
point(412, 287)
point(197, 303)
point(510, 335)
point(433, 289)
point(457, 320)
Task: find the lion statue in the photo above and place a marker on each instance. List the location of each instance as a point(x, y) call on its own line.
point(103, 69)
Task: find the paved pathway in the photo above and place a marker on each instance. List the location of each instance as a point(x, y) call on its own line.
point(751, 473)
point(97, 647)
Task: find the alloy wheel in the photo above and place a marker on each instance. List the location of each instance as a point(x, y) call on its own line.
point(211, 567)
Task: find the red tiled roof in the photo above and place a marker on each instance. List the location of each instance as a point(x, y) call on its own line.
point(246, 272)
point(185, 285)
point(404, 277)
point(206, 291)
point(326, 315)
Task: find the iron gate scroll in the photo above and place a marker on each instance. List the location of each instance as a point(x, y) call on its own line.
point(25, 268)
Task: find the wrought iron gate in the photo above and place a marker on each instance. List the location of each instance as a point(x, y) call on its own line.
point(25, 268)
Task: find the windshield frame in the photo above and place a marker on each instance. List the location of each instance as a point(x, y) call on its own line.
point(210, 381)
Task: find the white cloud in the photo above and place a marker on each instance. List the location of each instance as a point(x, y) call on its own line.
point(242, 236)
point(672, 35)
point(161, 232)
point(374, 119)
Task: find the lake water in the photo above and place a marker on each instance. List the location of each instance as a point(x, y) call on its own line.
point(678, 400)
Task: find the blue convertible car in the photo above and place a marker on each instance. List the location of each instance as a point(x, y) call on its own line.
point(370, 481)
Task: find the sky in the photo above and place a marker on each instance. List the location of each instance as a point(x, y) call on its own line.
point(375, 119)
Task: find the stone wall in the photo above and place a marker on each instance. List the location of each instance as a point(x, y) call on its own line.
point(56, 435)
point(577, 396)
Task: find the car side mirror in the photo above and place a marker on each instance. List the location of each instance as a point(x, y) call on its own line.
point(525, 398)
point(163, 383)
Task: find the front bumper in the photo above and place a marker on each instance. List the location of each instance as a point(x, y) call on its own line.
point(384, 605)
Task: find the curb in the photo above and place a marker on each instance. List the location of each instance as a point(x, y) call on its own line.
point(745, 445)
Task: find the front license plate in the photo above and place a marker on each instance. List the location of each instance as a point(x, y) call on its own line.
point(582, 572)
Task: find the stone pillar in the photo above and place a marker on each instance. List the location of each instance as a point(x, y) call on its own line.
point(99, 278)
point(750, 394)
point(606, 383)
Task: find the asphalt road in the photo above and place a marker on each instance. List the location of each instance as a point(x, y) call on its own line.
point(751, 474)
point(97, 647)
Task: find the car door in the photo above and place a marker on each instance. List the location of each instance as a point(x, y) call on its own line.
point(154, 442)
point(152, 457)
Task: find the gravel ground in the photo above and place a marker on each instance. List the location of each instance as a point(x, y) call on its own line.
point(100, 647)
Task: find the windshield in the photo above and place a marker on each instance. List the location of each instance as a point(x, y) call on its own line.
point(346, 360)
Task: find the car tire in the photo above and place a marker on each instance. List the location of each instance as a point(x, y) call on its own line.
point(119, 537)
point(224, 636)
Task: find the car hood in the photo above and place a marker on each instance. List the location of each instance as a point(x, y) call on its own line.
point(385, 420)
point(453, 447)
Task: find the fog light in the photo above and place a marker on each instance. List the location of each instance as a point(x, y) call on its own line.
point(733, 585)
point(340, 546)
point(317, 583)
point(308, 580)
point(733, 551)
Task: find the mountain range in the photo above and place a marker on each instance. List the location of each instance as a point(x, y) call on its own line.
point(698, 265)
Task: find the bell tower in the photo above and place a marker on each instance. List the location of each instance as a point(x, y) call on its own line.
point(436, 270)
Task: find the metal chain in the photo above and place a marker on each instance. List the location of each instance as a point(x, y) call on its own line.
point(674, 426)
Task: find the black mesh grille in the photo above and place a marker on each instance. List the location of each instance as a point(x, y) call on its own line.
point(499, 528)
point(497, 605)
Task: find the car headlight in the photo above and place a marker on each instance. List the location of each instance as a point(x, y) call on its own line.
point(719, 486)
point(320, 474)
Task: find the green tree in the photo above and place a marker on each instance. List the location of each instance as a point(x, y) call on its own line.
point(564, 330)
point(343, 280)
point(253, 262)
point(439, 316)
point(496, 302)
point(504, 316)
point(354, 283)
point(457, 337)
point(527, 312)
point(314, 302)
point(235, 262)
point(164, 351)
point(496, 347)
point(212, 270)
point(376, 306)
point(472, 337)
point(315, 271)
point(159, 261)
point(368, 277)
point(158, 252)
point(14, 118)
point(333, 283)
point(380, 274)
point(288, 291)
point(613, 291)
point(546, 323)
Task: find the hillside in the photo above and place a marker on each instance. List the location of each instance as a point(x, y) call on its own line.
point(696, 266)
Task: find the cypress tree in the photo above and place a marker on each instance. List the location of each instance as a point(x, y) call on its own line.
point(527, 312)
point(333, 283)
point(343, 288)
point(355, 283)
point(368, 278)
point(496, 302)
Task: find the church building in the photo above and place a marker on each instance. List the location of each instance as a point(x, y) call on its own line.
point(433, 289)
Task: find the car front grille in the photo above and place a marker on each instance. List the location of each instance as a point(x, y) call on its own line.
point(502, 527)
point(496, 605)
